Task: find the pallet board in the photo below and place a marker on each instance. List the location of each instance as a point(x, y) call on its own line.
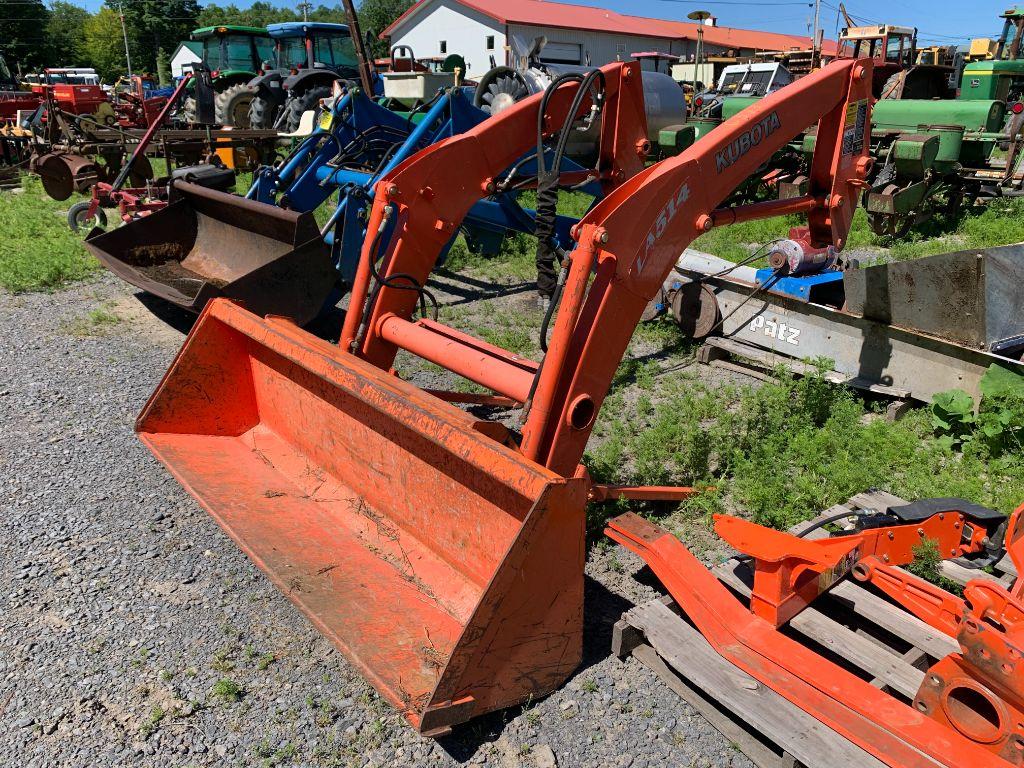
point(853, 626)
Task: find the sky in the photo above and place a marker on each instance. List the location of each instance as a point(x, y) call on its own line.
point(938, 21)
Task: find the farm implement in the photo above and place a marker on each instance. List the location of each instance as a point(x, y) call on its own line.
point(755, 622)
point(135, 202)
point(189, 253)
point(906, 331)
point(443, 554)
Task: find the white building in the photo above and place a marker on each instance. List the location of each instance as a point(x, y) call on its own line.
point(187, 52)
point(502, 30)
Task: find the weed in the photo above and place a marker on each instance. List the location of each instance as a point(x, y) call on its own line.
point(222, 660)
point(525, 749)
point(265, 661)
point(326, 713)
point(589, 686)
point(998, 425)
point(789, 448)
point(998, 223)
point(227, 690)
point(925, 565)
point(156, 715)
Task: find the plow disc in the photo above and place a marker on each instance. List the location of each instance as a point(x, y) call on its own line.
point(63, 174)
point(207, 244)
point(446, 566)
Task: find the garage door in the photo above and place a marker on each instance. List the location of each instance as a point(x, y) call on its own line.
point(561, 53)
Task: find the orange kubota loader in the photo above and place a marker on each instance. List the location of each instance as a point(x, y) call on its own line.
point(443, 554)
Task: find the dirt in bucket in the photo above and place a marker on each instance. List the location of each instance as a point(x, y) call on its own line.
point(162, 264)
point(157, 253)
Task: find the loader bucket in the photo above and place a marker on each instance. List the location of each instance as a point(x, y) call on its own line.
point(207, 243)
point(446, 566)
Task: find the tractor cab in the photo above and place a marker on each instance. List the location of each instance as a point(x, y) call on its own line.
point(308, 57)
point(231, 48)
point(898, 73)
point(234, 54)
point(312, 45)
point(748, 80)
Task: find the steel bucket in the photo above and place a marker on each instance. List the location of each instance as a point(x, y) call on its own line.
point(443, 564)
point(207, 244)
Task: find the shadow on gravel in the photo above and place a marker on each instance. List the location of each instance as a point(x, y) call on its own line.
point(172, 315)
point(468, 290)
point(601, 609)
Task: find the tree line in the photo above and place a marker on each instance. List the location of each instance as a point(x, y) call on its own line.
point(34, 35)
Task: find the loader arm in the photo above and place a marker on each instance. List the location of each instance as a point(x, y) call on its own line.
point(631, 239)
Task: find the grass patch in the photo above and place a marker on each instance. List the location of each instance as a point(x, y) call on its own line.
point(227, 690)
point(997, 223)
point(96, 322)
point(38, 250)
point(787, 449)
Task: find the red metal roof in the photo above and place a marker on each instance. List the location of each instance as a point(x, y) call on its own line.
point(550, 14)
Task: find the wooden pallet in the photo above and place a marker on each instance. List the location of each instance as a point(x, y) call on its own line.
point(851, 626)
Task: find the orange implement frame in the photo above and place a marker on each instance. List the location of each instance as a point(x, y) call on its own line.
point(441, 554)
point(968, 711)
point(790, 572)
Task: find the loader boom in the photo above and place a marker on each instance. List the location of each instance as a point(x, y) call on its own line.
point(631, 239)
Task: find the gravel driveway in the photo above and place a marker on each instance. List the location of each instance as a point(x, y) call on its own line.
point(134, 632)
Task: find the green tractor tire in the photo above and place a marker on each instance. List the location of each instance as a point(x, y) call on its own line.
point(233, 105)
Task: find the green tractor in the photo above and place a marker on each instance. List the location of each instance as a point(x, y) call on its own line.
point(1000, 78)
point(235, 54)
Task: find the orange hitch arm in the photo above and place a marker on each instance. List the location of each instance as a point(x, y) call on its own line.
point(791, 572)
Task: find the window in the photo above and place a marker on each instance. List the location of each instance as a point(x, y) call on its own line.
point(291, 53)
point(334, 49)
point(620, 48)
point(490, 42)
point(444, 46)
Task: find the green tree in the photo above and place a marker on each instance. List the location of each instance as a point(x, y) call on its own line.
point(259, 14)
point(66, 30)
point(23, 33)
point(163, 67)
point(156, 24)
point(104, 45)
point(376, 16)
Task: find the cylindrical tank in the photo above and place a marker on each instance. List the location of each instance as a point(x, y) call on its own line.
point(951, 140)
